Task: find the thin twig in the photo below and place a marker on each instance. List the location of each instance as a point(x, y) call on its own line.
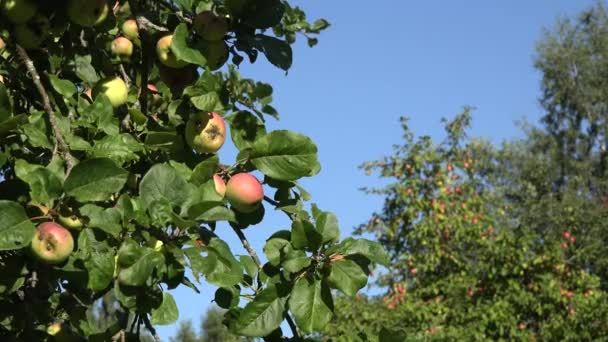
point(277, 205)
point(145, 24)
point(150, 328)
point(125, 77)
point(292, 326)
point(34, 279)
point(248, 247)
point(60, 143)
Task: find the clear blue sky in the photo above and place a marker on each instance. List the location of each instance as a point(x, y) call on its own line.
point(377, 62)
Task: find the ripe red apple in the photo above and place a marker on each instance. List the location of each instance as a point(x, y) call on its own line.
point(244, 192)
point(115, 89)
point(2, 44)
point(18, 11)
point(52, 243)
point(88, 13)
point(210, 26)
point(205, 132)
point(122, 47)
point(130, 30)
point(33, 33)
point(564, 245)
point(220, 185)
point(566, 234)
point(165, 55)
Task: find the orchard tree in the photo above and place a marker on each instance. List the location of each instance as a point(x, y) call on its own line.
point(111, 114)
point(463, 268)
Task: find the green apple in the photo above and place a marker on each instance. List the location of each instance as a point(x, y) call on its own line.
point(210, 26)
point(244, 192)
point(18, 11)
point(205, 132)
point(165, 55)
point(70, 220)
point(31, 34)
point(115, 89)
point(216, 53)
point(88, 13)
point(130, 30)
point(122, 48)
point(52, 244)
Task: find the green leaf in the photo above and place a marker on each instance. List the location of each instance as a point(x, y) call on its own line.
point(264, 13)
point(107, 220)
point(163, 182)
point(294, 260)
point(95, 180)
point(63, 87)
point(98, 260)
point(285, 155)
point(369, 249)
point(166, 313)
point(311, 304)
point(273, 250)
point(304, 235)
point(209, 102)
point(263, 314)
point(45, 187)
point(121, 148)
point(227, 270)
point(84, 70)
point(179, 47)
point(138, 273)
point(6, 109)
point(277, 51)
point(16, 230)
point(245, 128)
point(204, 171)
point(327, 225)
point(101, 114)
point(347, 276)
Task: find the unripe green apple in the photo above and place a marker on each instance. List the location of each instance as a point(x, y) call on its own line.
point(70, 221)
point(165, 55)
point(115, 89)
point(52, 244)
point(216, 53)
point(33, 33)
point(205, 132)
point(220, 185)
point(210, 26)
point(244, 192)
point(129, 29)
point(122, 47)
point(88, 13)
point(18, 11)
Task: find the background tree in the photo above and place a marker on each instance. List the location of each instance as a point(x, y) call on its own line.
point(111, 114)
point(212, 329)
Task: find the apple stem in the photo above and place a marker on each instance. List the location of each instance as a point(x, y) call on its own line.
point(60, 143)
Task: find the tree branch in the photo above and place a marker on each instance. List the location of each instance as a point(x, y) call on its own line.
point(145, 24)
point(150, 328)
point(292, 326)
point(60, 144)
point(248, 247)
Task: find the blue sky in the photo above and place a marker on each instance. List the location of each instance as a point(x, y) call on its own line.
point(377, 62)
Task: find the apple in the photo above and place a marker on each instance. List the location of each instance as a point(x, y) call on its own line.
point(2, 44)
point(88, 13)
point(236, 7)
point(220, 185)
point(244, 192)
point(1, 79)
point(156, 98)
point(18, 11)
point(210, 26)
point(216, 53)
point(130, 30)
point(52, 243)
point(122, 47)
point(165, 55)
point(33, 33)
point(115, 89)
point(205, 132)
point(69, 220)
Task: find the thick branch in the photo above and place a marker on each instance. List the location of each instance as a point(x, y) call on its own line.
point(60, 143)
point(248, 247)
point(150, 327)
point(292, 326)
point(145, 24)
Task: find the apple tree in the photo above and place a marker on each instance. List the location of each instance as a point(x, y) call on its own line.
point(111, 114)
point(464, 266)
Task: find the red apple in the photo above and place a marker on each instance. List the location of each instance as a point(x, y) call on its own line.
point(122, 47)
point(205, 132)
point(220, 185)
point(52, 244)
point(244, 192)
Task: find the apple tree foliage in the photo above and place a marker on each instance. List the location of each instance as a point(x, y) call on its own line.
point(464, 265)
point(142, 203)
